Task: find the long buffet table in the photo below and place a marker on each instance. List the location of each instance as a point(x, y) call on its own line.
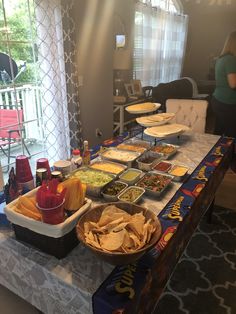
point(80, 283)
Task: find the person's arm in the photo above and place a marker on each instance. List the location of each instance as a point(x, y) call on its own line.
point(232, 80)
point(230, 68)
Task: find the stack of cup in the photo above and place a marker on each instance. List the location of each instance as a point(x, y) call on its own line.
point(43, 163)
point(24, 175)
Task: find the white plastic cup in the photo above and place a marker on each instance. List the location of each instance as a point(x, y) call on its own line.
point(64, 166)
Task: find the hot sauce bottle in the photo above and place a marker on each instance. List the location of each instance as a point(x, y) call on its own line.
point(86, 154)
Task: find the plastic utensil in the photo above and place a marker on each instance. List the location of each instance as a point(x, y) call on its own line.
point(53, 215)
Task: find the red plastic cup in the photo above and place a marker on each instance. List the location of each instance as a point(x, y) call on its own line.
point(43, 163)
point(53, 216)
point(23, 170)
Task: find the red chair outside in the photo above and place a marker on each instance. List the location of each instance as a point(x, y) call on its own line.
point(11, 128)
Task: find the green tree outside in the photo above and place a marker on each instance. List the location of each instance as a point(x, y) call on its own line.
point(17, 37)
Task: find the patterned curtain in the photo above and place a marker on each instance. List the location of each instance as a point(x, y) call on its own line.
point(56, 53)
point(71, 74)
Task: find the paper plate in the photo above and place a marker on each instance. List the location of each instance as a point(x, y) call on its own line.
point(166, 130)
point(156, 119)
point(145, 107)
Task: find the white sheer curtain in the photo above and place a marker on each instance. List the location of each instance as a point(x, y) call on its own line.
point(159, 44)
point(175, 29)
point(148, 35)
point(53, 83)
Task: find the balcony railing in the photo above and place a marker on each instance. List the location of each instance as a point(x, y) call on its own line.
point(27, 98)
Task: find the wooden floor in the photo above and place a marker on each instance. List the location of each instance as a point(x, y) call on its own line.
point(12, 304)
point(226, 194)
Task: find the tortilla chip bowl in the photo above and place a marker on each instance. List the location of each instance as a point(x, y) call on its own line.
point(119, 233)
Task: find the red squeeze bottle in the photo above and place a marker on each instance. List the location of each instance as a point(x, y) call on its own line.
point(76, 159)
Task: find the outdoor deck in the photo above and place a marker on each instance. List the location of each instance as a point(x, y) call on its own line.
point(27, 99)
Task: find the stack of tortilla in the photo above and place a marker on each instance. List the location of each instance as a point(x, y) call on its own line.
point(156, 119)
point(143, 108)
point(166, 130)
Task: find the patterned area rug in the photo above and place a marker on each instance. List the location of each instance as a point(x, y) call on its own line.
point(204, 281)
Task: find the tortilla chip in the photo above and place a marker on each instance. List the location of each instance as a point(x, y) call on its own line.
point(112, 241)
point(111, 213)
point(135, 239)
point(111, 225)
point(90, 239)
point(136, 224)
point(90, 225)
point(120, 227)
point(128, 242)
point(118, 231)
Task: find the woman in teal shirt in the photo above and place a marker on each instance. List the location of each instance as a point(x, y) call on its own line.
point(224, 96)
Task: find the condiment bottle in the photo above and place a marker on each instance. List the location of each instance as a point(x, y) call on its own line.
point(12, 189)
point(86, 154)
point(41, 175)
point(76, 160)
point(56, 174)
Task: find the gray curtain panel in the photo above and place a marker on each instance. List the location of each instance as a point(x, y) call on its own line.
point(75, 125)
point(59, 79)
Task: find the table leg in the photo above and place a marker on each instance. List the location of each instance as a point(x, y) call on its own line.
point(143, 128)
point(121, 120)
point(210, 211)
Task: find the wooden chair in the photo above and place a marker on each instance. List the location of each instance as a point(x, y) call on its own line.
point(11, 130)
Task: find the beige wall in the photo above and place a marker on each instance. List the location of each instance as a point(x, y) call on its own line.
point(123, 22)
point(94, 41)
point(96, 24)
point(97, 21)
point(208, 28)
